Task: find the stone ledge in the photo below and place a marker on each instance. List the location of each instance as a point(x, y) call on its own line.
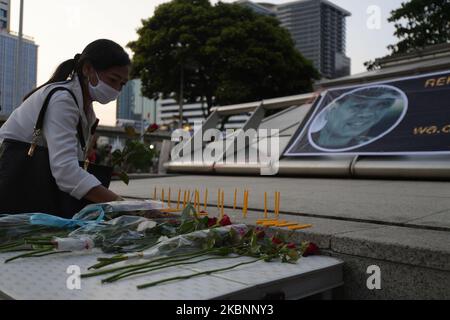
point(416, 247)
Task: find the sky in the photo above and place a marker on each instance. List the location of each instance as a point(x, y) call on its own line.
point(62, 28)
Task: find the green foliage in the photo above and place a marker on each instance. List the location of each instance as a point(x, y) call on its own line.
point(226, 53)
point(421, 23)
point(135, 157)
point(418, 24)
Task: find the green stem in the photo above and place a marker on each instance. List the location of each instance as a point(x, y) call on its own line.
point(26, 255)
point(155, 283)
point(16, 250)
point(11, 246)
point(130, 273)
point(51, 253)
point(41, 243)
point(98, 273)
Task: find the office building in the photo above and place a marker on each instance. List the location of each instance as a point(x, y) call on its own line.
point(318, 28)
point(5, 12)
point(132, 107)
point(169, 114)
point(28, 78)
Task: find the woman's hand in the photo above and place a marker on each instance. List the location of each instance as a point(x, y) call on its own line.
point(101, 195)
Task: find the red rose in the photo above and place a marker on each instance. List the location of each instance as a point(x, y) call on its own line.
point(276, 240)
point(292, 245)
point(226, 221)
point(311, 250)
point(260, 234)
point(212, 222)
point(153, 128)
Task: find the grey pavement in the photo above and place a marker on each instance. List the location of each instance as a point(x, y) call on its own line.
point(401, 226)
point(414, 203)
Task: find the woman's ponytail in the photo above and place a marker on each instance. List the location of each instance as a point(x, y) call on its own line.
point(62, 73)
point(102, 54)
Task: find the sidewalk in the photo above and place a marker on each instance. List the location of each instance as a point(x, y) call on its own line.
point(401, 226)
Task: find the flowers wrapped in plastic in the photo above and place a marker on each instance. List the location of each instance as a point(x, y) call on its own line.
point(40, 233)
point(228, 242)
point(122, 234)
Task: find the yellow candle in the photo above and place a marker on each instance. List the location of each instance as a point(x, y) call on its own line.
point(281, 222)
point(179, 199)
point(267, 220)
point(265, 206)
point(269, 224)
point(184, 199)
point(222, 213)
point(300, 227)
point(168, 200)
point(154, 194)
point(288, 224)
point(197, 200)
point(235, 199)
point(246, 203)
point(243, 203)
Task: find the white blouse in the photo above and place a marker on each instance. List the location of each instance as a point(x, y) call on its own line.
point(59, 134)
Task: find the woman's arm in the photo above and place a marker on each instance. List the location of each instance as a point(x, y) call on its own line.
point(100, 195)
point(61, 135)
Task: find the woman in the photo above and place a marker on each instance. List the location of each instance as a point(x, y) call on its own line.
point(97, 74)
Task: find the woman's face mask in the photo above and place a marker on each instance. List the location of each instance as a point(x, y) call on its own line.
point(102, 92)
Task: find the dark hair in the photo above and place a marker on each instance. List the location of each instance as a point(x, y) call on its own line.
point(102, 54)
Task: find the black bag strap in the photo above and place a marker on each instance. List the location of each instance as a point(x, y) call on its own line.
point(40, 121)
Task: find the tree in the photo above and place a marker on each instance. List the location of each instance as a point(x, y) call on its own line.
point(419, 23)
point(225, 54)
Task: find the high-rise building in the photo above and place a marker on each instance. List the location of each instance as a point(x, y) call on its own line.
point(266, 9)
point(5, 12)
point(132, 107)
point(28, 60)
point(318, 28)
point(169, 114)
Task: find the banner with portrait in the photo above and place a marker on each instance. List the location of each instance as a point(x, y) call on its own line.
point(398, 117)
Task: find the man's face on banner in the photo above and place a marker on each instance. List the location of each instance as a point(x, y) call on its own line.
point(357, 114)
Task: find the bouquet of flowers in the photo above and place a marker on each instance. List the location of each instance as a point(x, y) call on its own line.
point(123, 234)
point(39, 233)
point(228, 242)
